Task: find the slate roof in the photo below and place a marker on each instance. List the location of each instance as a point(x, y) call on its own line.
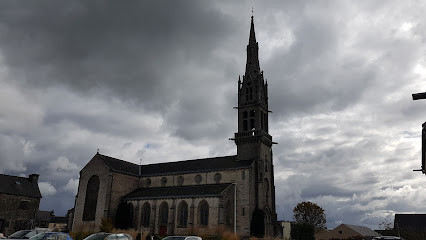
point(364, 231)
point(19, 186)
point(188, 166)
point(410, 220)
point(56, 219)
point(44, 216)
point(210, 190)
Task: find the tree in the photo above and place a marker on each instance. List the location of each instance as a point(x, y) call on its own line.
point(386, 224)
point(310, 213)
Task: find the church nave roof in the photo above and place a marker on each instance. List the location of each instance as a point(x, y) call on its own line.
point(188, 166)
point(211, 190)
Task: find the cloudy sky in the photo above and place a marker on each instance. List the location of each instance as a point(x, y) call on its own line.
point(158, 80)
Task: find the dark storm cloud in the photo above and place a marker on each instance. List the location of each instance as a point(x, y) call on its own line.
point(136, 50)
point(157, 54)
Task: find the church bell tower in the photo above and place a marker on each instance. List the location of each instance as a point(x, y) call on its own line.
point(254, 142)
point(252, 138)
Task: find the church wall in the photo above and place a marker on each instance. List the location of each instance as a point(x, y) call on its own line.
point(262, 187)
point(216, 215)
point(96, 166)
point(247, 151)
point(227, 176)
point(122, 185)
point(173, 225)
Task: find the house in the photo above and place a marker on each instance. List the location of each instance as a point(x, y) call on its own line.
point(58, 224)
point(19, 202)
point(410, 221)
point(346, 231)
point(285, 229)
point(43, 218)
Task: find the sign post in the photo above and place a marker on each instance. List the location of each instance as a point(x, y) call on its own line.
point(417, 96)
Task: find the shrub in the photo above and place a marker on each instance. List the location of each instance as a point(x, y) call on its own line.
point(106, 225)
point(80, 235)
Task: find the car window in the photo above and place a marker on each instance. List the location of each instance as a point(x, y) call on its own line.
point(111, 237)
point(39, 236)
point(30, 234)
point(97, 236)
point(122, 237)
point(19, 234)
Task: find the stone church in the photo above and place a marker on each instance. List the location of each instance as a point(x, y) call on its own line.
point(234, 192)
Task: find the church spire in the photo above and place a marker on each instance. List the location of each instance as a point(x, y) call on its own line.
point(252, 64)
point(252, 39)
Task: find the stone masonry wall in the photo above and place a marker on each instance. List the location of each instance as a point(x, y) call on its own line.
point(97, 167)
point(121, 185)
point(240, 176)
point(14, 218)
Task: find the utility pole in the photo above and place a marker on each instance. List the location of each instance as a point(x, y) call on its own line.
point(418, 96)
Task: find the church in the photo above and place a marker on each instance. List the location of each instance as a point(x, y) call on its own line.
point(232, 192)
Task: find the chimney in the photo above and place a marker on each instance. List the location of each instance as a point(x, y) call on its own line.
point(33, 178)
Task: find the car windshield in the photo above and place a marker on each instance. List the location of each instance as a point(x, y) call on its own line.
point(97, 236)
point(38, 236)
point(20, 234)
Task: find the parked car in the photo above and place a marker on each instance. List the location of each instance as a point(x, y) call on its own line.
point(388, 238)
point(109, 236)
point(51, 236)
point(24, 234)
point(182, 238)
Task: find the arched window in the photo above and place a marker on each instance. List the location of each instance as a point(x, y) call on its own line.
point(91, 200)
point(267, 190)
point(164, 214)
point(183, 214)
point(228, 213)
point(203, 210)
point(245, 122)
point(146, 214)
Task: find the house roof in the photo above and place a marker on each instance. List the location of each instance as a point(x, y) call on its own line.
point(364, 231)
point(188, 166)
point(56, 219)
point(410, 220)
point(210, 190)
point(44, 216)
point(19, 186)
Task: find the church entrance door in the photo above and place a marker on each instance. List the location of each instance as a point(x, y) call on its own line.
point(163, 231)
point(164, 218)
point(257, 226)
point(124, 215)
